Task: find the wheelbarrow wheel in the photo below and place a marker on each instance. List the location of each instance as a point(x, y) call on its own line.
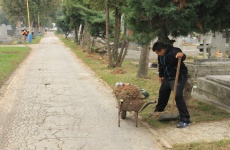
point(123, 114)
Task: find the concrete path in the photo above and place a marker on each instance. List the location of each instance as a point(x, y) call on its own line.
point(198, 132)
point(54, 102)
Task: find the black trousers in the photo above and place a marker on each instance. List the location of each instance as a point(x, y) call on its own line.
point(164, 94)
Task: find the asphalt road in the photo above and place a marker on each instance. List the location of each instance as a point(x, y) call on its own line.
point(54, 102)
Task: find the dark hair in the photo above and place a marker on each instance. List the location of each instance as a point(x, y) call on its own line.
point(158, 46)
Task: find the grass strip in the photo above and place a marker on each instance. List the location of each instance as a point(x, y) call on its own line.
point(217, 145)
point(10, 58)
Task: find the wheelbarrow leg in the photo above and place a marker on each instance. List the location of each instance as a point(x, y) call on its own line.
point(136, 118)
point(123, 114)
point(119, 116)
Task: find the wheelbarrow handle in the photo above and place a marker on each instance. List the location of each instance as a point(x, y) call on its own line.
point(147, 104)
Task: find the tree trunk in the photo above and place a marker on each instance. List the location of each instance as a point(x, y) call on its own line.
point(117, 30)
point(66, 35)
point(19, 27)
point(19, 24)
point(36, 29)
point(124, 48)
point(76, 35)
point(188, 90)
point(86, 38)
point(108, 35)
point(125, 45)
point(143, 63)
point(31, 27)
point(81, 28)
point(38, 25)
point(228, 52)
point(92, 44)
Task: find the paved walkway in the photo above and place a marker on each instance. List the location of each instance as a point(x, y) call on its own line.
point(54, 102)
point(198, 132)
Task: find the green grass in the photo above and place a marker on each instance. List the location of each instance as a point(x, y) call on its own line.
point(36, 40)
point(10, 57)
point(200, 112)
point(20, 41)
point(218, 145)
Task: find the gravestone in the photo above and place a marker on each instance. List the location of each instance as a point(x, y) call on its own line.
point(213, 79)
point(3, 31)
point(215, 90)
point(6, 33)
point(204, 67)
point(10, 30)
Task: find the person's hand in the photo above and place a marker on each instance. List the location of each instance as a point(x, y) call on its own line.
point(179, 55)
point(160, 79)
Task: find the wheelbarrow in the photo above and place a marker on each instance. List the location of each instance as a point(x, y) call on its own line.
point(124, 106)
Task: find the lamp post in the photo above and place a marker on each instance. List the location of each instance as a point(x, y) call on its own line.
point(28, 14)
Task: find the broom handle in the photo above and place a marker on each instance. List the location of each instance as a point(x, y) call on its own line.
point(175, 84)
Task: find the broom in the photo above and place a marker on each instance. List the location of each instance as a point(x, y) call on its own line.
point(171, 116)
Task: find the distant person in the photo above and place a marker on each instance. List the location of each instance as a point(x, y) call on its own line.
point(167, 60)
point(46, 31)
point(25, 34)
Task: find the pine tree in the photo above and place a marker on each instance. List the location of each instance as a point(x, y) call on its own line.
point(161, 18)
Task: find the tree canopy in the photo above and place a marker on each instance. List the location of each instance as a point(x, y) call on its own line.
point(145, 19)
point(3, 18)
point(162, 18)
point(79, 13)
point(46, 9)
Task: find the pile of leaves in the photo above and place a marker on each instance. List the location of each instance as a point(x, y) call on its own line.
point(128, 93)
point(118, 71)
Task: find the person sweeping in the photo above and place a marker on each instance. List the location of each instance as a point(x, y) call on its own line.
point(168, 60)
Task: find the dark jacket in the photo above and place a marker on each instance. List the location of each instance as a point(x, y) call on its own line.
point(168, 64)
